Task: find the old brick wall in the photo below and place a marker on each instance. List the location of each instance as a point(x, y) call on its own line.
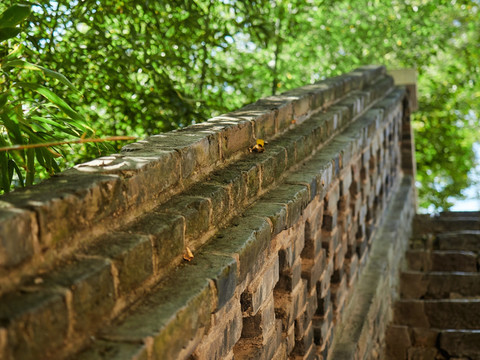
point(286, 243)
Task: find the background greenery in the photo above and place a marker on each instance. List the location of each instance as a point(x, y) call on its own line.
point(142, 67)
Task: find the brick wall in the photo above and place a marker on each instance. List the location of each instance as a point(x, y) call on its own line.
point(288, 244)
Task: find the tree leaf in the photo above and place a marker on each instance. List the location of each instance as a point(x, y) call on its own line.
point(17, 50)
point(14, 15)
point(8, 33)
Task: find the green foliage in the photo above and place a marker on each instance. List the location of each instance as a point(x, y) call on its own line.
point(146, 67)
point(30, 112)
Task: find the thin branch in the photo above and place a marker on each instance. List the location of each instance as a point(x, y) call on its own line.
point(77, 141)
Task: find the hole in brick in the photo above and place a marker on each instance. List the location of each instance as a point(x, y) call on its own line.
point(372, 164)
point(351, 249)
point(252, 326)
point(329, 222)
point(282, 259)
point(337, 276)
point(308, 251)
point(246, 301)
point(368, 217)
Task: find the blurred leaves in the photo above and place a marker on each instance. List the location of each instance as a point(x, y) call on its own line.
point(31, 113)
point(147, 67)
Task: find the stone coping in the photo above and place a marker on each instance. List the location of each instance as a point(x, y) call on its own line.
point(92, 198)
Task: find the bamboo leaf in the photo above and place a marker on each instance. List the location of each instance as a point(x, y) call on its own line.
point(40, 158)
point(5, 183)
point(10, 171)
point(13, 128)
point(14, 165)
point(14, 15)
point(54, 99)
point(29, 66)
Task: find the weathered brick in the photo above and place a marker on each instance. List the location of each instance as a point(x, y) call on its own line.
point(423, 337)
point(293, 248)
point(224, 334)
point(223, 270)
point(339, 255)
point(312, 270)
point(307, 178)
point(260, 289)
point(250, 172)
point(18, 235)
point(324, 284)
point(178, 313)
point(260, 325)
point(272, 163)
point(303, 322)
point(262, 117)
point(419, 260)
point(290, 149)
point(306, 138)
point(219, 200)
point(132, 256)
point(289, 335)
point(296, 198)
point(247, 238)
point(304, 343)
point(312, 242)
point(235, 181)
point(198, 148)
point(284, 114)
point(330, 240)
point(145, 172)
point(339, 292)
point(253, 349)
point(329, 222)
point(324, 303)
point(36, 324)
point(91, 284)
point(461, 344)
point(167, 234)
point(331, 199)
point(276, 213)
point(351, 269)
point(322, 329)
point(105, 350)
point(290, 276)
point(196, 212)
point(67, 204)
point(288, 305)
point(235, 135)
point(277, 241)
point(466, 240)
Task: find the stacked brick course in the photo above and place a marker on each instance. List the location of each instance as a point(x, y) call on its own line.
point(92, 260)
